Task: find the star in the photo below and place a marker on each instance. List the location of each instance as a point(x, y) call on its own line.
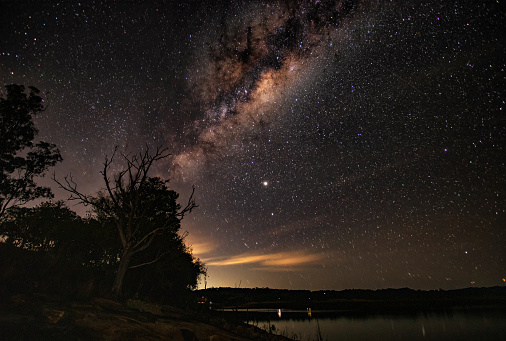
point(390, 155)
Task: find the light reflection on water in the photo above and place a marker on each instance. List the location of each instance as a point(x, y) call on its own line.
point(450, 325)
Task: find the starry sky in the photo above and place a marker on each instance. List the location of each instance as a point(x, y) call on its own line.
point(332, 144)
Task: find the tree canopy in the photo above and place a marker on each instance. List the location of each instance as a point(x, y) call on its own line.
point(22, 160)
point(54, 228)
point(142, 209)
point(136, 219)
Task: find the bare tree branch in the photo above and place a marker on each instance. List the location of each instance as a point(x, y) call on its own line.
point(70, 186)
point(141, 207)
point(189, 206)
point(150, 262)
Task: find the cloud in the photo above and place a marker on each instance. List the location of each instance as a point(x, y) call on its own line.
point(203, 248)
point(269, 261)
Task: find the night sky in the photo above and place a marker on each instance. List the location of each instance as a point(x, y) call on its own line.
point(332, 144)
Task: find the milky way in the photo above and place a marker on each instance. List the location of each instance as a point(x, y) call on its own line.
point(332, 144)
point(251, 63)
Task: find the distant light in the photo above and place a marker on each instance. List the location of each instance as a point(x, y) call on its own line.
point(265, 183)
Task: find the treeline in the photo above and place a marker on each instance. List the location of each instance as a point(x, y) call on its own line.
point(352, 299)
point(51, 249)
point(129, 246)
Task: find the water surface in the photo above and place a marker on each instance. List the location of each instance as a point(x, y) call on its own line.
point(466, 324)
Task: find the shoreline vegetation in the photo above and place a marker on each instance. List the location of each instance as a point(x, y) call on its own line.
point(403, 300)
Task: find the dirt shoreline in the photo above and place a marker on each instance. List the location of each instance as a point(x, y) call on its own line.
point(42, 317)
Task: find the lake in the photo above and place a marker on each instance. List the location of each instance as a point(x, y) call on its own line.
point(456, 324)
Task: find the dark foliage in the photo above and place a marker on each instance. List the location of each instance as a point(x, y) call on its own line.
point(30, 272)
point(60, 232)
point(177, 271)
point(22, 160)
point(142, 210)
point(136, 226)
point(49, 248)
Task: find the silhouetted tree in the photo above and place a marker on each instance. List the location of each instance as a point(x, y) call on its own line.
point(59, 231)
point(176, 272)
point(71, 255)
point(22, 160)
point(141, 208)
point(37, 228)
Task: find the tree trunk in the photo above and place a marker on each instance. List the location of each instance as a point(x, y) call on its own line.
point(120, 273)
